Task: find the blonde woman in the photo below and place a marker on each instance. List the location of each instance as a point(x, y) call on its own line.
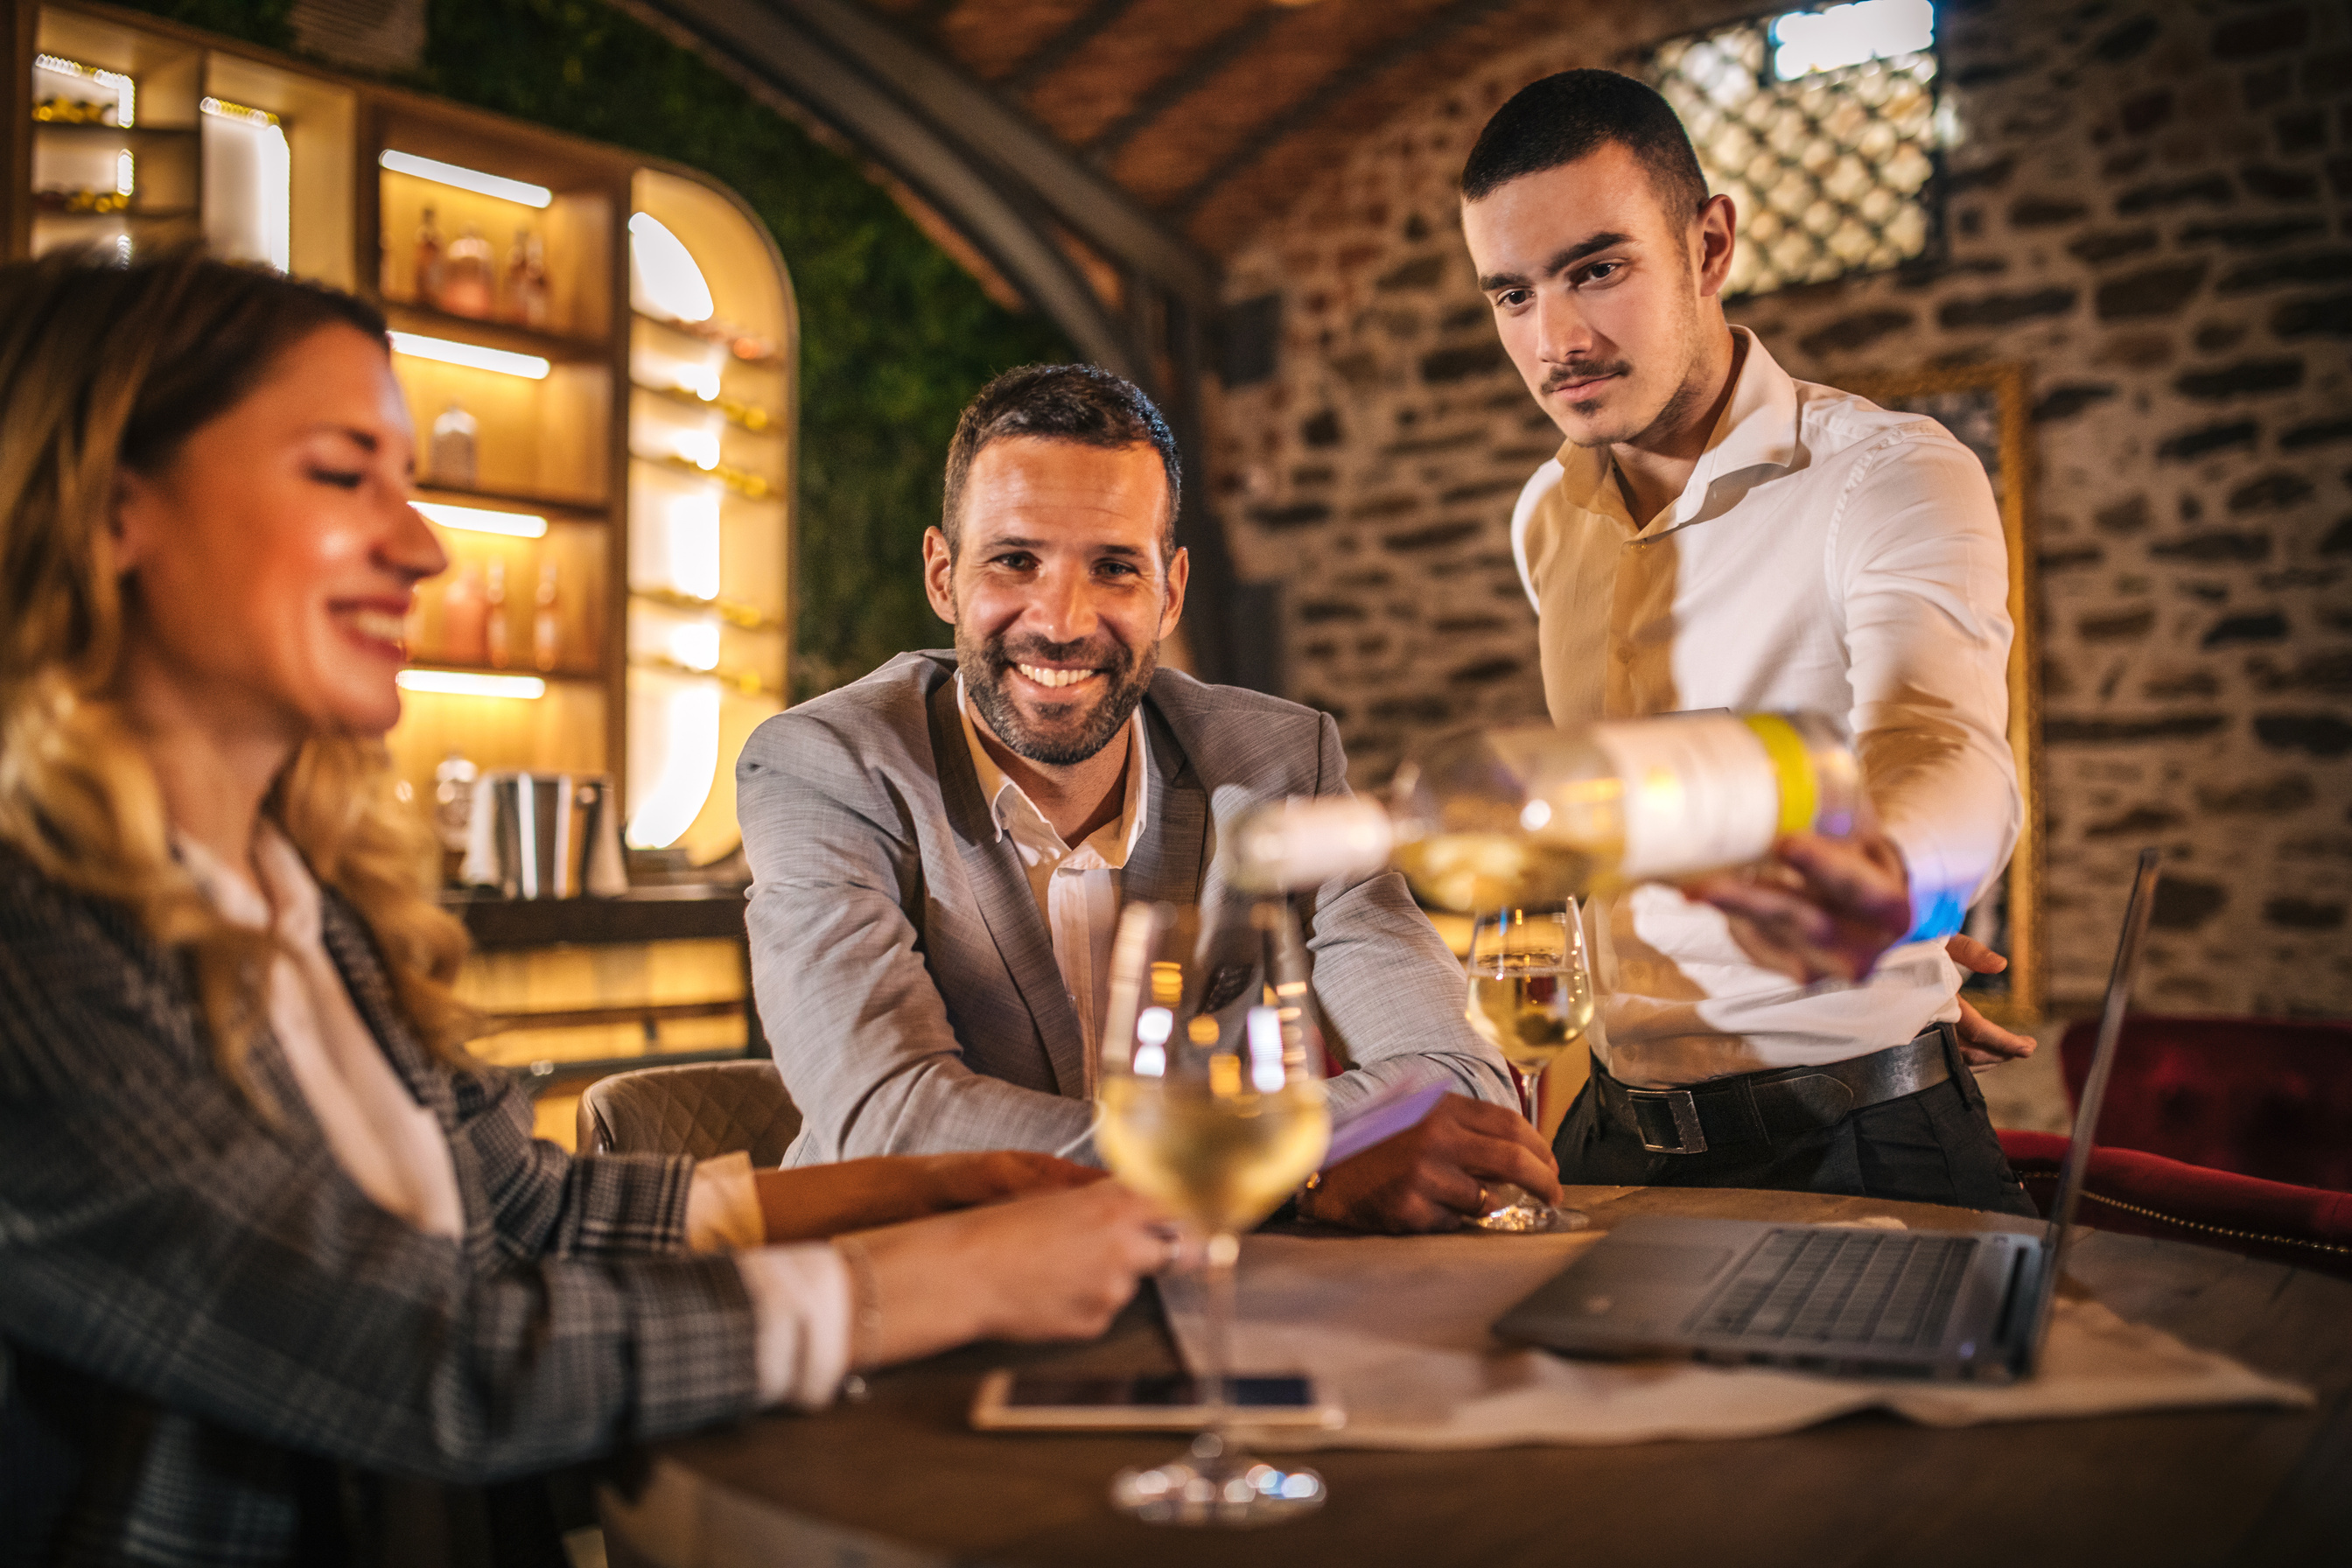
point(266, 1236)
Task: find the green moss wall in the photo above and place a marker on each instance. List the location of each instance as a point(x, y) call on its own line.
point(894, 337)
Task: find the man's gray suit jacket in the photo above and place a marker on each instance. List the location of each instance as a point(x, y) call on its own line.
point(904, 975)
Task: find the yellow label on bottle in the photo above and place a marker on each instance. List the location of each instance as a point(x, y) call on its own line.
point(1792, 765)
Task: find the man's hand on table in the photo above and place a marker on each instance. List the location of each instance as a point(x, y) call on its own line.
point(1984, 1043)
point(1821, 908)
point(813, 1201)
point(1431, 1175)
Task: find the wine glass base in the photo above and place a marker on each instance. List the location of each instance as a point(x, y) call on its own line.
point(1528, 1218)
point(1217, 1484)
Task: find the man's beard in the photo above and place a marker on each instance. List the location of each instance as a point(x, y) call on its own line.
point(1125, 678)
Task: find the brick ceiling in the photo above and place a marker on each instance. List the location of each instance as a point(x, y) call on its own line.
point(1213, 112)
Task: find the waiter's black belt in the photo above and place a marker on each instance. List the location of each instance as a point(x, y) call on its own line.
point(1776, 1105)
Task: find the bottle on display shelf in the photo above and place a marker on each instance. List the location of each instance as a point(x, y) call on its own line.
point(428, 284)
point(547, 622)
point(453, 810)
point(1528, 814)
point(470, 276)
point(465, 619)
point(522, 288)
point(452, 447)
point(497, 644)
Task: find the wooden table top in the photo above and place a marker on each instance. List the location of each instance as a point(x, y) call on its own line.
point(902, 1481)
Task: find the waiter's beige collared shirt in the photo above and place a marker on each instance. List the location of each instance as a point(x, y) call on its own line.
point(1826, 554)
point(1076, 889)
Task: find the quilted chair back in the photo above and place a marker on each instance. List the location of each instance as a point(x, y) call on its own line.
point(704, 1109)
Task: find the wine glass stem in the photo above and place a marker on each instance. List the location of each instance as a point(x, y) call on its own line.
point(1217, 1375)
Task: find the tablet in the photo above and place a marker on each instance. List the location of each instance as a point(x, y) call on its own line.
point(1144, 1402)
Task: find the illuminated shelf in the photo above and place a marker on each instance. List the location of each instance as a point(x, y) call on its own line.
point(444, 666)
point(769, 361)
point(743, 415)
point(751, 683)
point(572, 510)
point(486, 332)
point(132, 213)
point(739, 481)
point(744, 618)
point(135, 134)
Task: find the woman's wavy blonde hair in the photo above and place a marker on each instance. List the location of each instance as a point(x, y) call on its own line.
point(106, 367)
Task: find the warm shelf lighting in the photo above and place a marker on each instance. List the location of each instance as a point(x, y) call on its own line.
point(674, 757)
point(248, 164)
point(459, 683)
point(472, 355)
point(481, 520)
point(126, 92)
point(466, 179)
point(663, 278)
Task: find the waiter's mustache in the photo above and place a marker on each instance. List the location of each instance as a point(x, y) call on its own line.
point(1563, 375)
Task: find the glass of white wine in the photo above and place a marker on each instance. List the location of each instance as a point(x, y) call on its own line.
point(1531, 984)
point(1210, 1102)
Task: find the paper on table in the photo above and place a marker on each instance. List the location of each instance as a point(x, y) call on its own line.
point(1394, 1328)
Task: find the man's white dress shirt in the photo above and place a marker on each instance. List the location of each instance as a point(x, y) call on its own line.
point(1076, 890)
point(1827, 554)
point(394, 1149)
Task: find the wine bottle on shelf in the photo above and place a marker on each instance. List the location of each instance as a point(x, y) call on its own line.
point(470, 276)
point(1528, 814)
point(452, 447)
point(547, 622)
point(427, 288)
point(496, 641)
point(465, 619)
point(522, 290)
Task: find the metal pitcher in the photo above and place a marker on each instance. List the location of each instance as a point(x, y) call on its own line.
point(545, 836)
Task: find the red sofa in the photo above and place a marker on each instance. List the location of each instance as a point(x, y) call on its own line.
point(2138, 1194)
point(2261, 1097)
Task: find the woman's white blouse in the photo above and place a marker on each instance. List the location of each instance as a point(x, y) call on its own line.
point(394, 1150)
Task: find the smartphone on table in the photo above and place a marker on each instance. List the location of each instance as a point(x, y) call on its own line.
point(1143, 1402)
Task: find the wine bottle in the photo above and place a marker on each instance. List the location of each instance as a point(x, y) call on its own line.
point(1531, 815)
point(546, 623)
point(426, 289)
point(496, 640)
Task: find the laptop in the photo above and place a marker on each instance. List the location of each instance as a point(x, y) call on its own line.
point(1831, 1299)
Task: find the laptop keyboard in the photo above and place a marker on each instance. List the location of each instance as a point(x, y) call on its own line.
point(1883, 1289)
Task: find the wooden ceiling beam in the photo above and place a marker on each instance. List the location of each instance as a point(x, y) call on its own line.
point(1055, 52)
point(1183, 82)
point(972, 154)
point(1334, 89)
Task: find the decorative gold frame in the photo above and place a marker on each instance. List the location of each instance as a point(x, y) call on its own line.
point(2005, 387)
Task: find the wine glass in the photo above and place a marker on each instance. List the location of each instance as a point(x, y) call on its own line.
point(1531, 988)
point(1211, 1103)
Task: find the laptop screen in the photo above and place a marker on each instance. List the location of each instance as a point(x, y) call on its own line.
point(2095, 1093)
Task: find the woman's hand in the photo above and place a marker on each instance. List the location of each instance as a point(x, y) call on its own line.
point(1058, 1266)
point(812, 1201)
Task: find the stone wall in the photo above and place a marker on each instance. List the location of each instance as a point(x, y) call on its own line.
point(2146, 207)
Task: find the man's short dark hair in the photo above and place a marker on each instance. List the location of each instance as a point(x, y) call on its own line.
point(1060, 403)
point(1563, 118)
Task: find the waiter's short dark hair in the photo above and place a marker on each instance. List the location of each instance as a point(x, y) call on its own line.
point(1563, 118)
point(1061, 403)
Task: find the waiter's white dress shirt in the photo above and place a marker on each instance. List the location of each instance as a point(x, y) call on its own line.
point(1826, 554)
point(1076, 890)
point(394, 1149)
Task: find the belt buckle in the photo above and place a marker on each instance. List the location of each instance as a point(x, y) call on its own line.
point(1691, 1138)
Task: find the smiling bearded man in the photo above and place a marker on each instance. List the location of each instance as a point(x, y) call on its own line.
point(940, 850)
